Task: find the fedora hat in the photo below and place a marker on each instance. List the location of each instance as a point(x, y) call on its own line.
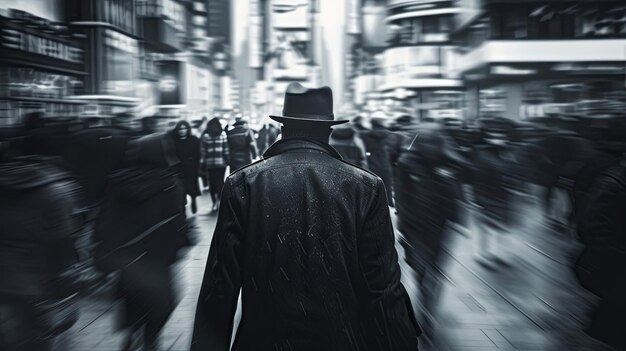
point(308, 105)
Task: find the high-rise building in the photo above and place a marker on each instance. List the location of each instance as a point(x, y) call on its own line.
point(522, 59)
point(219, 20)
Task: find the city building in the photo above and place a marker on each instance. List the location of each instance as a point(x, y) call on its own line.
point(419, 62)
point(41, 63)
point(111, 45)
point(523, 59)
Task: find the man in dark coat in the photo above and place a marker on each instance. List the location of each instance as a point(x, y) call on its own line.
point(241, 145)
point(309, 241)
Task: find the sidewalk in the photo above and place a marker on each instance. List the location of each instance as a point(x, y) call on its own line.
point(95, 330)
point(533, 303)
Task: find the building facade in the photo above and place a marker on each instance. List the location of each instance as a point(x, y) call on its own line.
point(41, 65)
point(419, 63)
point(528, 59)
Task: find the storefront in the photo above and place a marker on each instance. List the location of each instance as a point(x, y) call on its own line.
point(40, 66)
point(525, 91)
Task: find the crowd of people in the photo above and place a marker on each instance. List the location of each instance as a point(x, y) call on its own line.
point(111, 200)
point(84, 204)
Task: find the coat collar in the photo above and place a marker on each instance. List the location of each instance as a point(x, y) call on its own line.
point(291, 144)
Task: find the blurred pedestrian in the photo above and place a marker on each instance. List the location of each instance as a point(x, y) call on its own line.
point(38, 275)
point(491, 192)
point(241, 145)
point(188, 152)
point(428, 200)
point(140, 228)
point(268, 134)
point(214, 158)
point(380, 147)
point(348, 143)
point(308, 240)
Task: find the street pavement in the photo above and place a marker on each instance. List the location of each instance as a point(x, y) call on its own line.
point(530, 301)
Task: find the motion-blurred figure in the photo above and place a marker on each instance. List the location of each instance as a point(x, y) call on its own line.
point(241, 145)
point(491, 193)
point(601, 268)
point(214, 158)
point(381, 153)
point(267, 135)
point(348, 143)
point(428, 202)
point(38, 276)
point(309, 241)
point(140, 228)
point(188, 152)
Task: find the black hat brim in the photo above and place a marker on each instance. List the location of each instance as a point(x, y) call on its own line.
point(284, 119)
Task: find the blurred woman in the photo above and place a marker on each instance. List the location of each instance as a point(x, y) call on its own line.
point(214, 158)
point(188, 152)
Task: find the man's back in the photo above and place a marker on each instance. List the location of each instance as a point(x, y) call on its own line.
point(309, 239)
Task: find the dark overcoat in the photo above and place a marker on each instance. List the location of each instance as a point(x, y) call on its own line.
point(308, 239)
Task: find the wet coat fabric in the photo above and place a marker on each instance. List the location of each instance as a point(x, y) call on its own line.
point(309, 240)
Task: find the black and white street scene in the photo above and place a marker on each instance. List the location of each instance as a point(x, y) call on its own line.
point(312, 175)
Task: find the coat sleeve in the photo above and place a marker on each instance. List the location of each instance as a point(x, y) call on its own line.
point(217, 302)
point(387, 313)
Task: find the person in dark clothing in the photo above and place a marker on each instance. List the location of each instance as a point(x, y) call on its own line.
point(601, 267)
point(491, 192)
point(241, 145)
point(267, 136)
point(349, 145)
point(214, 159)
point(428, 200)
point(308, 239)
point(380, 153)
point(140, 228)
point(188, 152)
point(38, 205)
